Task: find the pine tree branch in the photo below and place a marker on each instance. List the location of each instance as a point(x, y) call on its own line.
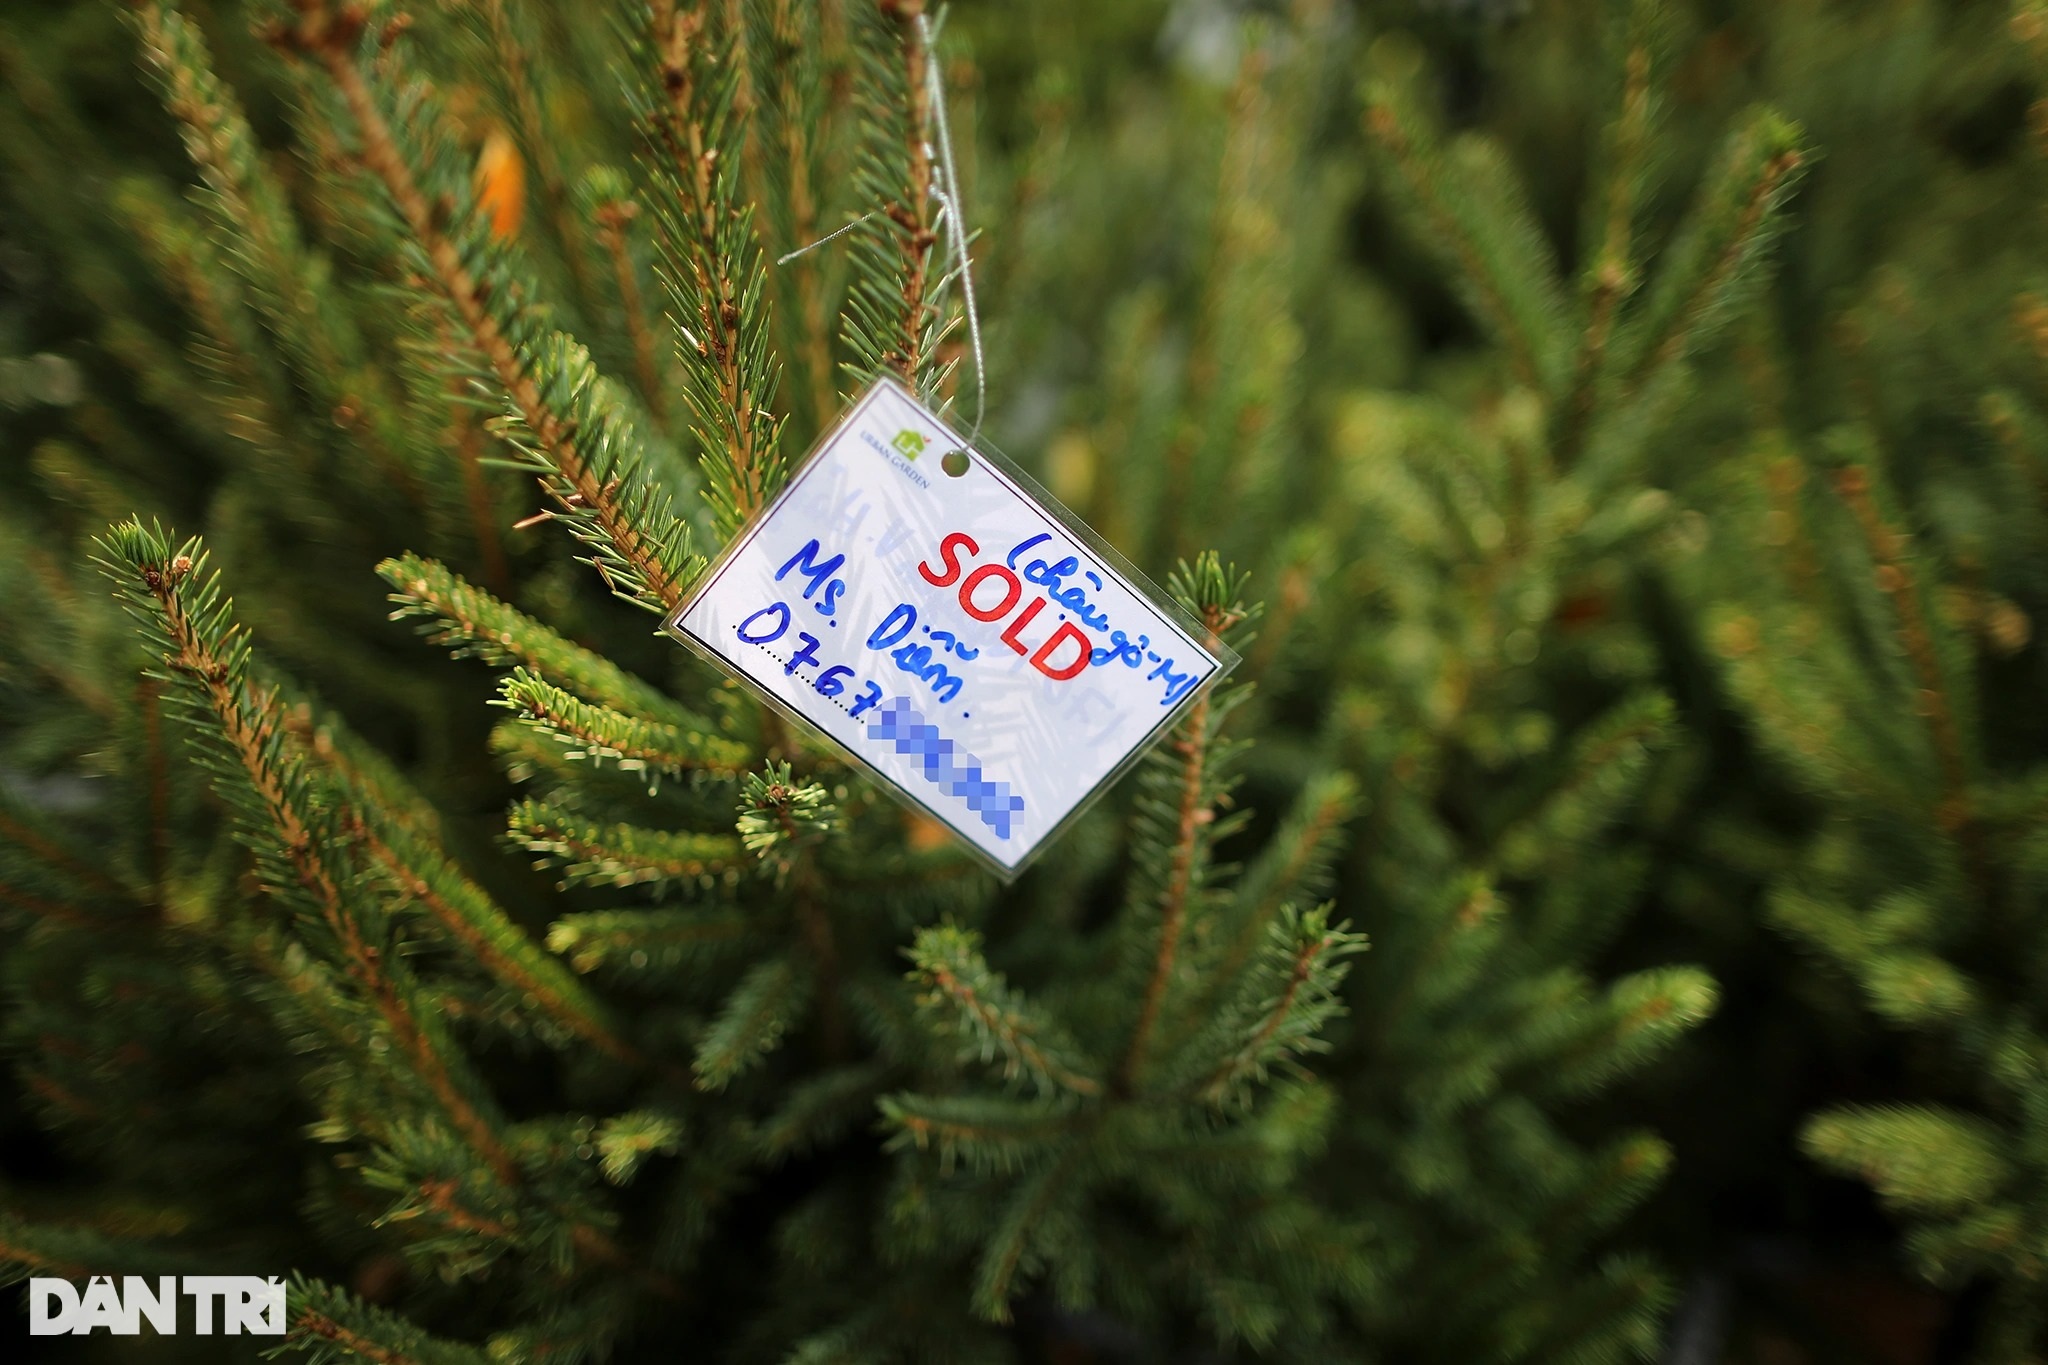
point(469, 621)
point(911, 212)
point(895, 318)
point(989, 1016)
point(331, 1326)
point(990, 1134)
point(308, 1322)
point(1737, 217)
point(331, 38)
point(752, 1022)
point(1611, 276)
point(1495, 248)
point(642, 940)
point(69, 1251)
point(693, 118)
point(1887, 547)
point(600, 734)
point(474, 921)
point(1192, 744)
point(207, 653)
point(288, 284)
point(1291, 866)
point(590, 853)
point(1278, 1010)
point(1004, 1255)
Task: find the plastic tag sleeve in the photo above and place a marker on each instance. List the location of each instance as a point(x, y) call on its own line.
point(962, 637)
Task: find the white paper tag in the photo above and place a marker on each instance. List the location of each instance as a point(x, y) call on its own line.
point(960, 636)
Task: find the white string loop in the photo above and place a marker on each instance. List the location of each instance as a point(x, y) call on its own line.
point(950, 200)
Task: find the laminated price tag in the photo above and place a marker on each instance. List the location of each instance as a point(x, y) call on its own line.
point(957, 632)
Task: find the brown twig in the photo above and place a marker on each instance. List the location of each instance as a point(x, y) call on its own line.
point(1193, 744)
point(320, 1325)
point(911, 212)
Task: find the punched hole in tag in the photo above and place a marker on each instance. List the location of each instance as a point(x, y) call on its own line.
point(955, 463)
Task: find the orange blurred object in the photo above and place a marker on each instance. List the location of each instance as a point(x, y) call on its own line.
point(924, 835)
point(501, 184)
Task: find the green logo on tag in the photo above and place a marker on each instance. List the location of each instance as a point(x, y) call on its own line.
point(910, 443)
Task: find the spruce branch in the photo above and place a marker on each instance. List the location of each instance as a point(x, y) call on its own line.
point(782, 822)
point(1293, 866)
point(1284, 1004)
point(206, 656)
point(780, 816)
point(984, 1134)
point(471, 622)
point(31, 1247)
point(592, 853)
point(643, 940)
point(1479, 220)
point(1212, 592)
point(821, 1108)
point(599, 734)
point(332, 1327)
point(1891, 551)
point(1010, 1252)
point(625, 1142)
point(247, 395)
point(1921, 1159)
point(688, 103)
point(796, 110)
point(1601, 773)
point(1637, 1018)
point(512, 74)
point(580, 443)
point(471, 919)
point(1191, 743)
point(398, 833)
point(1611, 276)
point(288, 282)
point(752, 1022)
point(1738, 215)
point(976, 1005)
point(896, 316)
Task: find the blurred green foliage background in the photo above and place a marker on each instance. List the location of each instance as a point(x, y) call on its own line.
point(1792, 838)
